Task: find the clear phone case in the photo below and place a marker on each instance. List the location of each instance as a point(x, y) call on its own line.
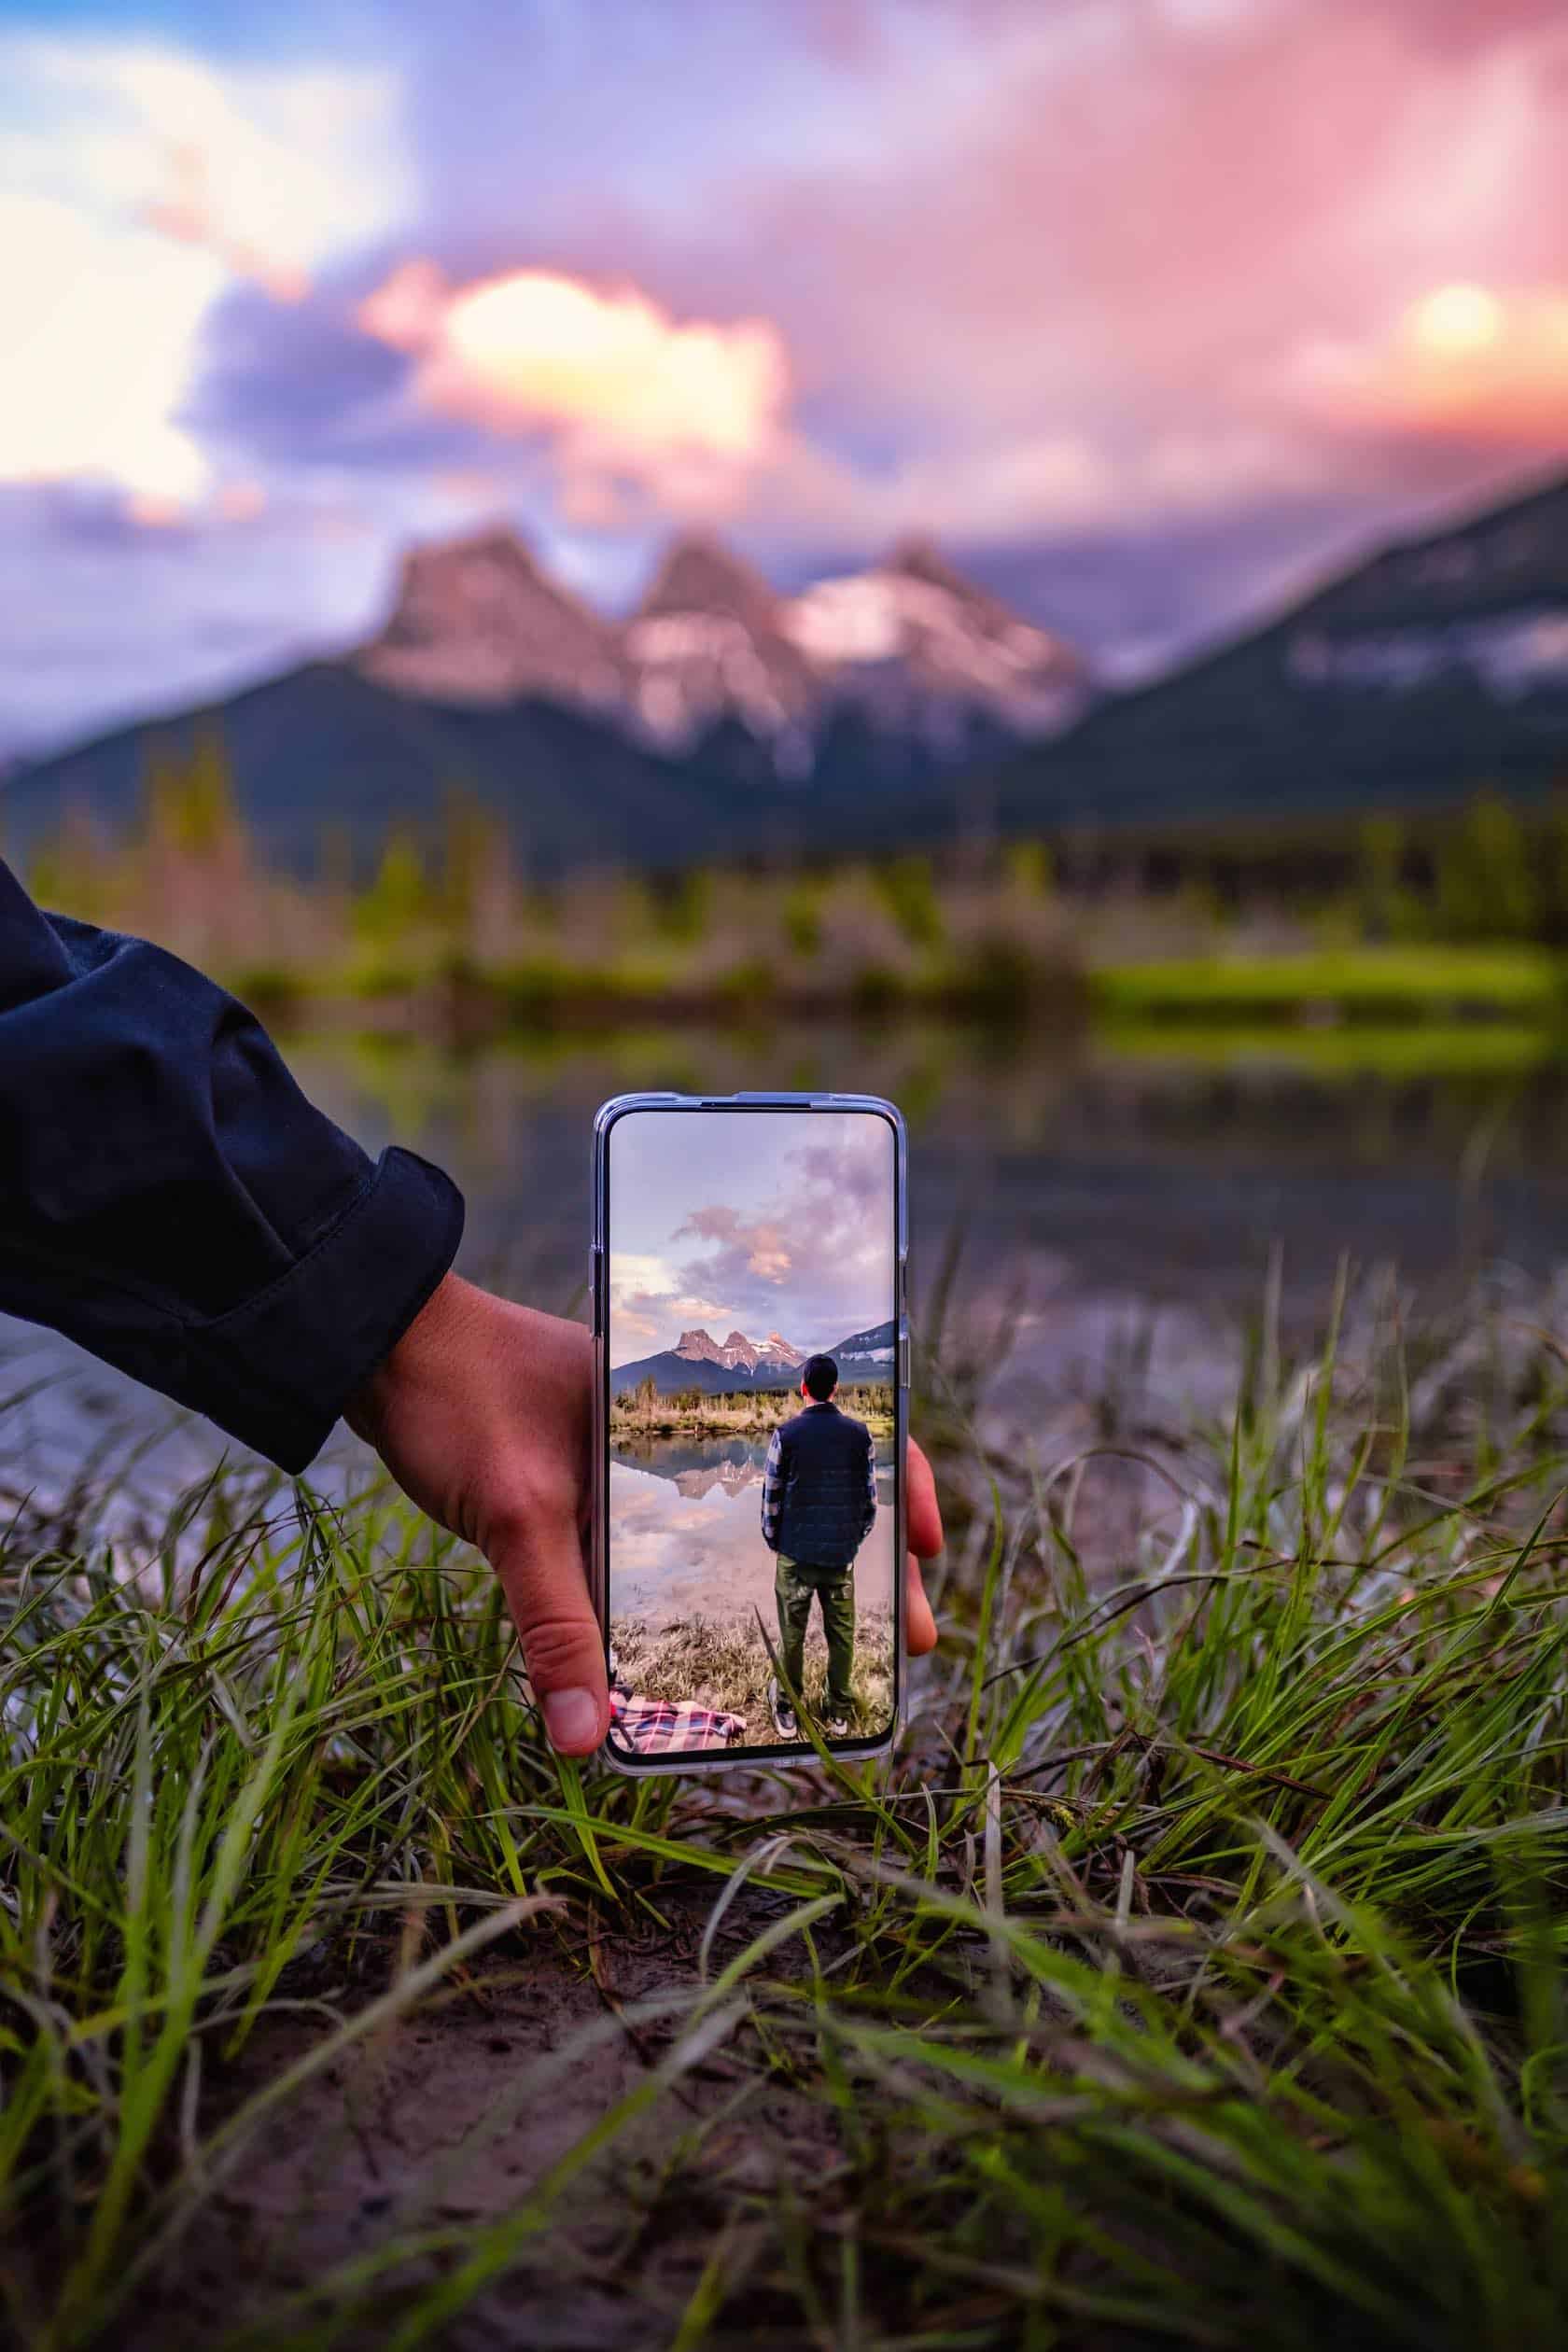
point(746, 1758)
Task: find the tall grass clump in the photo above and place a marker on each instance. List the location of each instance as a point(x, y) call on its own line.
point(1194, 1975)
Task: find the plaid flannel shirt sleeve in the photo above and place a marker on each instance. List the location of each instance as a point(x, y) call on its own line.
point(870, 1488)
point(773, 1490)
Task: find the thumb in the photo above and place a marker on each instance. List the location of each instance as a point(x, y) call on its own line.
point(538, 1558)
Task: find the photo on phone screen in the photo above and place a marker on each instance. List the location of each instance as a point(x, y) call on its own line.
point(752, 1320)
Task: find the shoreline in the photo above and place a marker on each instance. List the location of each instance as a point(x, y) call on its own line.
point(879, 1424)
point(722, 1413)
point(1374, 985)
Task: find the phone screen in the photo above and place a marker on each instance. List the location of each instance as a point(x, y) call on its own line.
point(751, 1452)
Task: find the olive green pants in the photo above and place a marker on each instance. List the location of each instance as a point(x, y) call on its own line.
point(794, 1584)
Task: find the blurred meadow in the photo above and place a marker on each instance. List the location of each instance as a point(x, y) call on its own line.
point(1444, 917)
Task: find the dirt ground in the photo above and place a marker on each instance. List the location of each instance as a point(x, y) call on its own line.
point(454, 2118)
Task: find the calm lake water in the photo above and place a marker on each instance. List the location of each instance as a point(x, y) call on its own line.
point(687, 1538)
point(1106, 1198)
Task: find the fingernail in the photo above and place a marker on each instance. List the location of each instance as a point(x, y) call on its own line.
point(571, 1718)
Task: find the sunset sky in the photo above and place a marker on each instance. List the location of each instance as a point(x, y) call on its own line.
point(1146, 309)
point(756, 1222)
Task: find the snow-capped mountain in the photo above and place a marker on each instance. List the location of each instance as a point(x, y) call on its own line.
point(698, 1359)
point(911, 646)
point(923, 651)
point(1436, 668)
point(711, 640)
point(478, 621)
point(700, 1347)
point(866, 1355)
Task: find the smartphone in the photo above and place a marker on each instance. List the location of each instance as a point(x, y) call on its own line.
point(752, 1393)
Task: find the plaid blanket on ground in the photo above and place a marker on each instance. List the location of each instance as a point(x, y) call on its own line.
point(669, 1727)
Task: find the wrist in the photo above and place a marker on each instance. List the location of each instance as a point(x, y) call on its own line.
point(418, 1360)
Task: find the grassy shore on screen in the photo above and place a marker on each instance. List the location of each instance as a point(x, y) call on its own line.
point(641, 1412)
point(725, 1663)
point(1193, 1974)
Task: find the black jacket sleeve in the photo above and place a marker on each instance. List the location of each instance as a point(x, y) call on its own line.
point(170, 1199)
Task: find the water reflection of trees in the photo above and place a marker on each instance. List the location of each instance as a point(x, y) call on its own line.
point(695, 1466)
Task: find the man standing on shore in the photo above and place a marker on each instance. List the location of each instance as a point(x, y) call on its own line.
point(819, 1503)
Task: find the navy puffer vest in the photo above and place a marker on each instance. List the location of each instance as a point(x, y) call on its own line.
point(828, 1502)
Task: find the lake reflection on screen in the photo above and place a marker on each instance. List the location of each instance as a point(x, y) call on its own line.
point(686, 1531)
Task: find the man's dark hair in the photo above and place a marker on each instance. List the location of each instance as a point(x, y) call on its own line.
point(820, 1377)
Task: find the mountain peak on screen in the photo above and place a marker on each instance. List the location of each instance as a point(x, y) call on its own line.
point(698, 1346)
point(698, 1361)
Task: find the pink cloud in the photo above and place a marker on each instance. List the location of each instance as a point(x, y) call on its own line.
point(624, 392)
point(1097, 267)
point(1094, 281)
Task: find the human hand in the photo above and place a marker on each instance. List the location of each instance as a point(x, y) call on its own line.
point(923, 1527)
point(482, 1413)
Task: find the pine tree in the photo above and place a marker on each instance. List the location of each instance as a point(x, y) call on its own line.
point(210, 815)
point(400, 895)
point(686, 909)
point(908, 891)
point(1380, 868)
point(1487, 885)
point(802, 918)
point(1030, 868)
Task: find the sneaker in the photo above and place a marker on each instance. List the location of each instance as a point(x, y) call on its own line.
point(837, 1728)
point(783, 1714)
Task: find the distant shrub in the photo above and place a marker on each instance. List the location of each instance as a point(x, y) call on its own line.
point(683, 909)
point(753, 981)
point(908, 891)
point(1486, 880)
point(458, 968)
point(271, 991)
point(998, 979)
point(535, 985)
point(803, 920)
point(1030, 868)
point(876, 989)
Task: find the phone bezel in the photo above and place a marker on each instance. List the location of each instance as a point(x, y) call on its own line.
point(609, 1115)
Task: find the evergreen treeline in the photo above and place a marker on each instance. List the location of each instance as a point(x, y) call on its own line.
point(983, 925)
